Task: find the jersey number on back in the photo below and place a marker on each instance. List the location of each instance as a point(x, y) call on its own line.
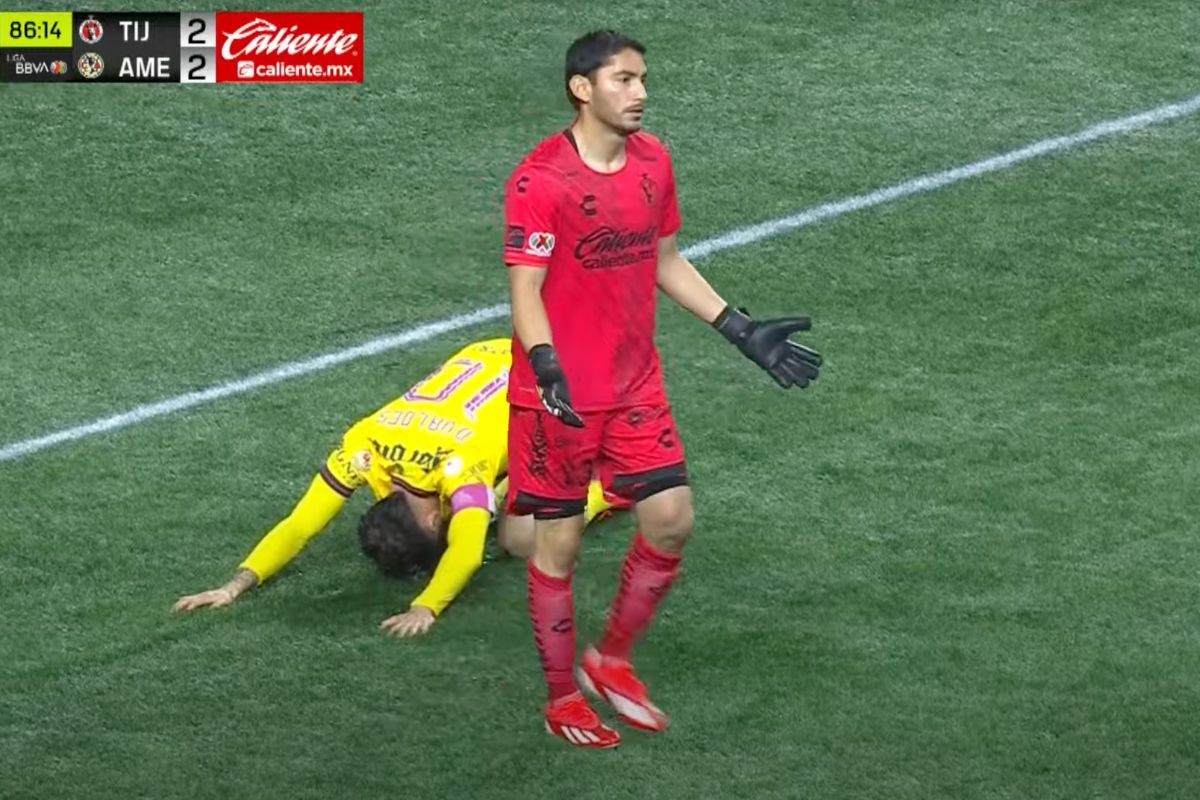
point(452, 378)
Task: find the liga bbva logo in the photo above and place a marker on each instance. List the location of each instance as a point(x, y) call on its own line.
point(326, 46)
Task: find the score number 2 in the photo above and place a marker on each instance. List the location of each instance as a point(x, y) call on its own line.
point(196, 28)
point(198, 47)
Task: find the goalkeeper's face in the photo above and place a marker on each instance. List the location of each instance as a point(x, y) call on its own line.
point(618, 92)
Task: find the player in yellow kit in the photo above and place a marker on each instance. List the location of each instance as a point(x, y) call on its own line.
point(432, 458)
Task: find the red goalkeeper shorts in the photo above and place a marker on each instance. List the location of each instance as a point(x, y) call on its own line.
point(635, 452)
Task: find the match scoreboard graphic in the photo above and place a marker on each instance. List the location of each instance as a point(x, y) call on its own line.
point(202, 47)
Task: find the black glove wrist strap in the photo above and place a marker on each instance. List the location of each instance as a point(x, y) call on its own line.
point(544, 361)
point(733, 324)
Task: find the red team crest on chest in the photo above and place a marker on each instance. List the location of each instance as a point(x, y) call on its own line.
point(649, 189)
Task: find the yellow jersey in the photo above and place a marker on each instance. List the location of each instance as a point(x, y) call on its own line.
point(446, 433)
point(447, 436)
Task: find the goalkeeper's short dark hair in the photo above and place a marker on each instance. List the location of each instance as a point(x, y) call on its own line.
point(391, 537)
point(592, 51)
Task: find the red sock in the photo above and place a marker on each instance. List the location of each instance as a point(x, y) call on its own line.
point(552, 609)
point(646, 578)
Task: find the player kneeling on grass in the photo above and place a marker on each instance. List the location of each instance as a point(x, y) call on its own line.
point(432, 458)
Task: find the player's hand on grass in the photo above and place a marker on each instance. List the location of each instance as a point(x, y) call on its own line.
point(213, 598)
point(414, 622)
point(552, 384)
point(766, 343)
point(222, 596)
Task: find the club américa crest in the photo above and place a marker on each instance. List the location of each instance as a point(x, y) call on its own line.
point(91, 65)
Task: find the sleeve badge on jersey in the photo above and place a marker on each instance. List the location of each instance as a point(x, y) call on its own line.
point(361, 461)
point(515, 238)
point(453, 467)
point(540, 244)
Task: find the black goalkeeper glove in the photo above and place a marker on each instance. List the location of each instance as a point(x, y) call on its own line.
point(552, 384)
point(766, 344)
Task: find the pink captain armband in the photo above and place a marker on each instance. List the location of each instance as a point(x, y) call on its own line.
point(477, 495)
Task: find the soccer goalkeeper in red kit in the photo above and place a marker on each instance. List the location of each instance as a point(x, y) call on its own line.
point(590, 227)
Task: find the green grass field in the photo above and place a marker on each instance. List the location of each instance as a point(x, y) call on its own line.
point(962, 566)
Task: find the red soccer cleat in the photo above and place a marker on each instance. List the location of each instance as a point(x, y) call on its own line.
point(614, 680)
point(573, 718)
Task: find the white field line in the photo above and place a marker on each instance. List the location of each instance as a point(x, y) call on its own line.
point(739, 237)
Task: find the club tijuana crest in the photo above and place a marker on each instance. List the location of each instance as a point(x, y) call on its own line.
point(260, 37)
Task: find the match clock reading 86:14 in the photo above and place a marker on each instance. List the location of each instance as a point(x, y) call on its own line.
point(36, 29)
point(33, 32)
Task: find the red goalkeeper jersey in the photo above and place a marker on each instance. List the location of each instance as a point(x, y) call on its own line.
point(596, 234)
